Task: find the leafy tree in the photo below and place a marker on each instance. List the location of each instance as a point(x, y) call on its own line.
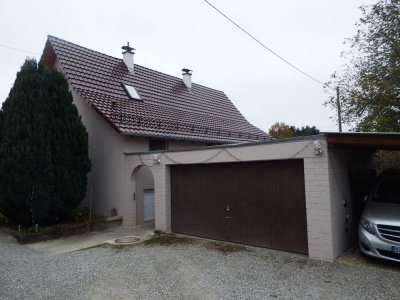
point(370, 83)
point(43, 148)
point(282, 130)
point(386, 160)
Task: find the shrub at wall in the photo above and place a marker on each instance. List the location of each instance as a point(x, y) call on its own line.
point(43, 148)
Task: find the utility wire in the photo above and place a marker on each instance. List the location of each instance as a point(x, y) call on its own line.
point(19, 50)
point(263, 45)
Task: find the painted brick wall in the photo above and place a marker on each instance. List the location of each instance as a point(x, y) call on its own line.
point(319, 230)
point(162, 187)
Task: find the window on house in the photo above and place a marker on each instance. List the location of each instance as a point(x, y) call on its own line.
point(157, 144)
point(132, 92)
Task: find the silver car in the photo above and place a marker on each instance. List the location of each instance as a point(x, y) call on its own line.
point(379, 228)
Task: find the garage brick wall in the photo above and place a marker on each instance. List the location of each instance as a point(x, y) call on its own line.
point(316, 173)
point(162, 197)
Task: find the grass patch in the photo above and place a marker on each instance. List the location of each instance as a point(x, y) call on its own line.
point(225, 247)
point(168, 240)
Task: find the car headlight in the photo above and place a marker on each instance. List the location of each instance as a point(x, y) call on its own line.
point(367, 225)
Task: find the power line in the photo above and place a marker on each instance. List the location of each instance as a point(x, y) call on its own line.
point(19, 50)
point(263, 45)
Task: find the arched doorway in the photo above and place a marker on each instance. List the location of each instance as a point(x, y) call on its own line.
point(143, 182)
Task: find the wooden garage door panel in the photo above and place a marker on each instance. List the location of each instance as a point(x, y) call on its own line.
point(196, 202)
point(266, 203)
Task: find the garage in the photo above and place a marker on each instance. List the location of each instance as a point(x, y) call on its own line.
point(259, 203)
point(302, 194)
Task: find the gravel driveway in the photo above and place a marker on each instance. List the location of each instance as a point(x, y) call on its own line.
point(184, 271)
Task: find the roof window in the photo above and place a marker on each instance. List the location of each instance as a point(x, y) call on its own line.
point(130, 89)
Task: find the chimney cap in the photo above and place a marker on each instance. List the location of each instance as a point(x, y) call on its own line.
point(128, 49)
point(186, 71)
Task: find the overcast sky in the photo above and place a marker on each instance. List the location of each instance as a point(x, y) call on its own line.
point(170, 35)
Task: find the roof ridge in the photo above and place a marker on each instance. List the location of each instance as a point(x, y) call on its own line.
point(153, 70)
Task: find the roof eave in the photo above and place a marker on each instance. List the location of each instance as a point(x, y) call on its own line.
point(365, 140)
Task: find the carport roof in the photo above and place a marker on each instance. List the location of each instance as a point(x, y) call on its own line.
point(370, 140)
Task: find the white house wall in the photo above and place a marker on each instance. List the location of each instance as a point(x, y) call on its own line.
point(107, 185)
point(143, 181)
point(106, 182)
point(316, 175)
point(340, 192)
point(106, 149)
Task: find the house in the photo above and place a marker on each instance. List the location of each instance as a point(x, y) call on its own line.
point(167, 149)
point(129, 108)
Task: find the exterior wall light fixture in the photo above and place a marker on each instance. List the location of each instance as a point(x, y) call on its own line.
point(317, 148)
point(157, 158)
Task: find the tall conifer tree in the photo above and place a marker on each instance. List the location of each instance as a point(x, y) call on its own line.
point(43, 148)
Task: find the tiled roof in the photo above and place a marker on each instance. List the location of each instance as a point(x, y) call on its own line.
point(168, 109)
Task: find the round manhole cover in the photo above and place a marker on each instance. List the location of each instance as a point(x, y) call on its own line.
point(127, 240)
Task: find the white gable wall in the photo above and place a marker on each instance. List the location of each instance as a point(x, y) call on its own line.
point(106, 149)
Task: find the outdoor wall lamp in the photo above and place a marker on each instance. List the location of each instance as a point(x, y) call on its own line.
point(157, 158)
point(317, 148)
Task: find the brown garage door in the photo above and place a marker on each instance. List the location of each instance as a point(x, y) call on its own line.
point(254, 203)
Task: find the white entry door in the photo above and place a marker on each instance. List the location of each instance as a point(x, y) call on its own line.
point(149, 211)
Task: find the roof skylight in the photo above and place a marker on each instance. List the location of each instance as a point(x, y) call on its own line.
point(130, 89)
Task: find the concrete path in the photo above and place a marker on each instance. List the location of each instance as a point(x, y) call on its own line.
point(92, 239)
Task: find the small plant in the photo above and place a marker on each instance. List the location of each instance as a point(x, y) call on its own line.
point(158, 232)
point(79, 215)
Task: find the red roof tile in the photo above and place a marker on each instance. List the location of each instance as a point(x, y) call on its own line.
point(168, 109)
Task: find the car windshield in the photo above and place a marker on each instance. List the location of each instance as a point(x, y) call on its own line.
point(388, 190)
